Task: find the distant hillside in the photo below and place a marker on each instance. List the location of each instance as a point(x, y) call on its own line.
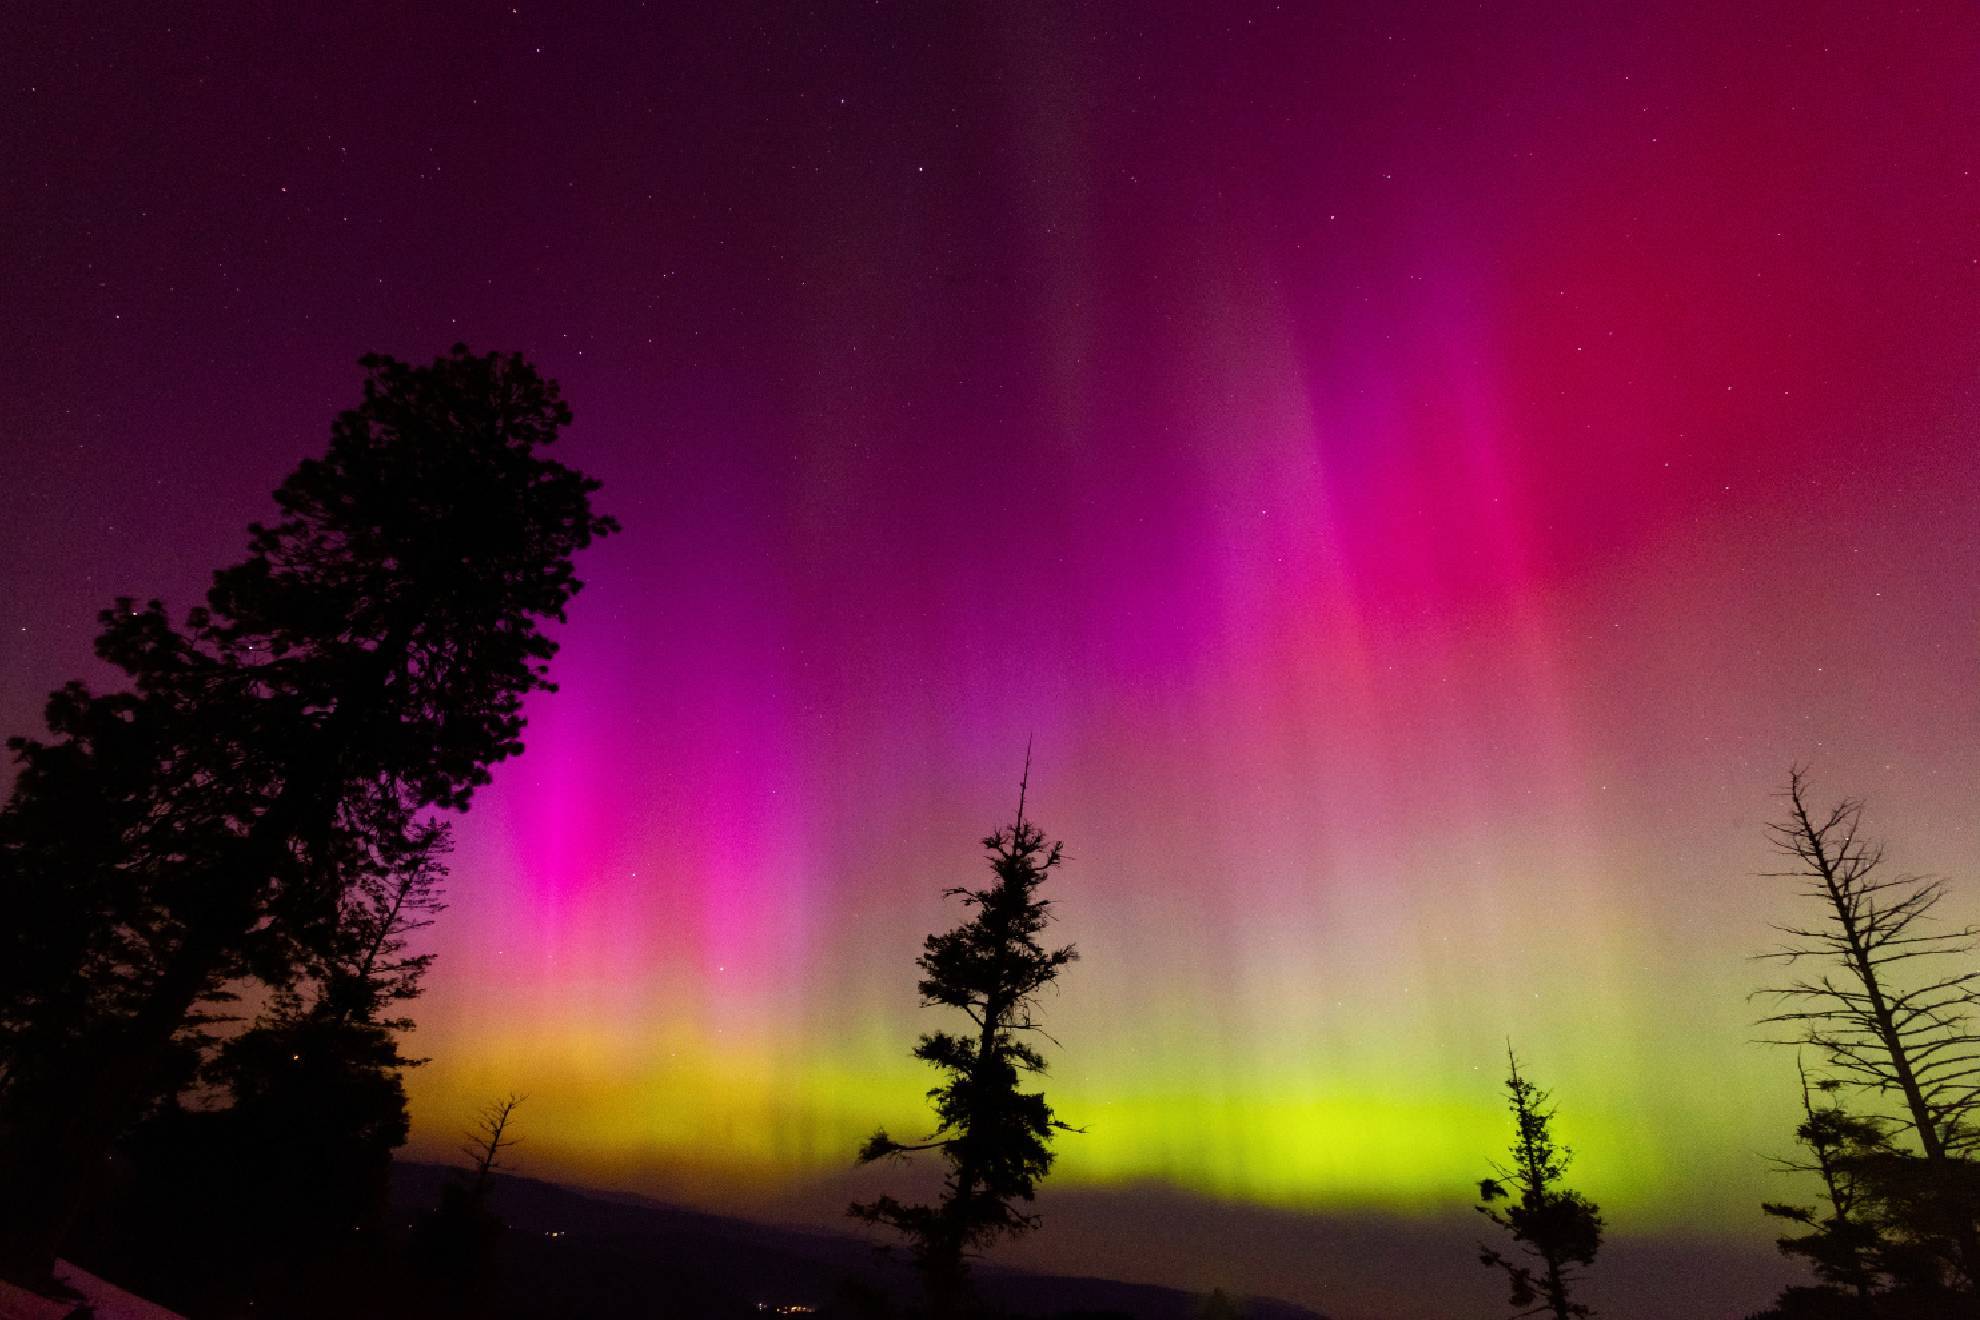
point(590, 1256)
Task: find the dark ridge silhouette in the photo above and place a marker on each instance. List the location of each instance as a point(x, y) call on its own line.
point(623, 1255)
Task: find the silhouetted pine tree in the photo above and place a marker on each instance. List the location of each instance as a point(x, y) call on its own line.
point(994, 1136)
point(365, 665)
point(361, 970)
point(1887, 1017)
point(1556, 1229)
point(1864, 1241)
point(315, 1085)
point(284, 1150)
point(1845, 1240)
point(300, 1158)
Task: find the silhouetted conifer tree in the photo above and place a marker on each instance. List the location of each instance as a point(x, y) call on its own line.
point(317, 1106)
point(1556, 1228)
point(284, 1151)
point(365, 665)
point(361, 969)
point(1887, 1016)
point(1845, 1239)
point(315, 1085)
point(994, 1136)
point(1871, 1240)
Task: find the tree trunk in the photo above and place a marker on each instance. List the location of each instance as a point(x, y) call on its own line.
point(946, 1277)
point(1557, 1296)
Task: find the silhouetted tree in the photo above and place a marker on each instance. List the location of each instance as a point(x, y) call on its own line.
point(491, 1136)
point(994, 1136)
point(316, 1084)
point(1845, 1240)
point(456, 1242)
point(1218, 1305)
point(1886, 1015)
point(365, 665)
point(1870, 1240)
point(80, 936)
point(282, 1142)
point(1556, 1228)
point(361, 969)
point(299, 1160)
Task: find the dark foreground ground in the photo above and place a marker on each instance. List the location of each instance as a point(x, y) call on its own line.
point(596, 1255)
point(575, 1255)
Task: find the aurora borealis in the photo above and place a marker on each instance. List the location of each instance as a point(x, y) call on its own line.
point(1417, 478)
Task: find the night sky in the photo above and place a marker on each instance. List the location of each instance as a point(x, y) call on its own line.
point(1418, 476)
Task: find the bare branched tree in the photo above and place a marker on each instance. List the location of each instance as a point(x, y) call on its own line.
point(489, 1139)
point(1882, 993)
point(456, 1243)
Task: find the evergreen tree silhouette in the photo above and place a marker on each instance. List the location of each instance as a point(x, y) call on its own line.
point(1556, 1229)
point(363, 667)
point(316, 1084)
point(285, 1149)
point(298, 1163)
point(1845, 1241)
point(994, 1136)
point(360, 971)
point(1886, 1259)
point(1872, 1240)
point(1887, 1014)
